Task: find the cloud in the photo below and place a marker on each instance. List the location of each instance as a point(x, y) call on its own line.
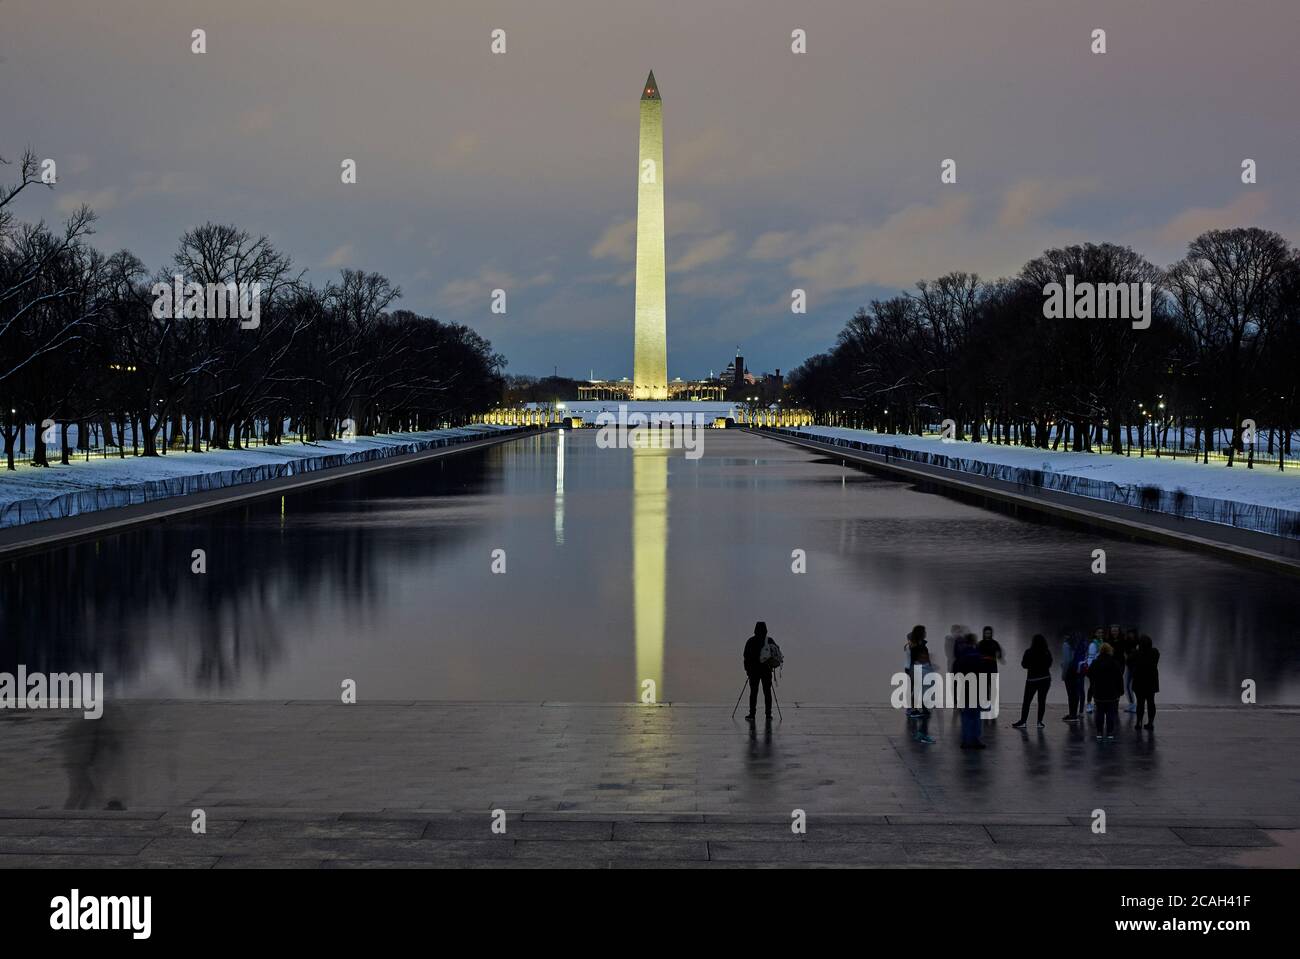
point(681, 218)
point(773, 245)
point(459, 153)
point(729, 285)
point(618, 242)
point(143, 185)
point(340, 257)
point(916, 241)
point(477, 289)
point(951, 233)
point(927, 239)
point(1030, 200)
point(705, 153)
point(1246, 210)
point(101, 201)
point(719, 156)
point(708, 250)
point(257, 121)
point(685, 218)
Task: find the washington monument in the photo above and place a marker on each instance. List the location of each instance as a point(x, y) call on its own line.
point(650, 345)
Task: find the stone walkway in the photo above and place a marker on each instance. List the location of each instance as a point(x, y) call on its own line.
point(319, 784)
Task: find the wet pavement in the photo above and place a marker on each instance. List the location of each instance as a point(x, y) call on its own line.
point(334, 785)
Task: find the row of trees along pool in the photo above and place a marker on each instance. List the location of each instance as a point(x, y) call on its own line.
point(82, 348)
point(1222, 348)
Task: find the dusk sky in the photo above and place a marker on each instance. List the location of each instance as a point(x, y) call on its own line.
point(818, 170)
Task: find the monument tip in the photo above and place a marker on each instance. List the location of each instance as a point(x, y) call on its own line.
point(651, 89)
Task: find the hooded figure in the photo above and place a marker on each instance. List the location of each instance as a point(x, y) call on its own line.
point(758, 671)
point(1146, 680)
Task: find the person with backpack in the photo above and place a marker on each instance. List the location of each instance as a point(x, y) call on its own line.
point(1037, 663)
point(1106, 679)
point(761, 656)
point(1146, 680)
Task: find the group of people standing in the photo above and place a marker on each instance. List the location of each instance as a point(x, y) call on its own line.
point(1098, 672)
point(1113, 664)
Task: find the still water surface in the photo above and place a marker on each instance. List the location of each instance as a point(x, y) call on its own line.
point(620, 566)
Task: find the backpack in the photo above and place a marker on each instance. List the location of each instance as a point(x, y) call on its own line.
point(770, 655)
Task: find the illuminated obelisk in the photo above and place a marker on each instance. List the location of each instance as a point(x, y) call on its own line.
point(650, 344)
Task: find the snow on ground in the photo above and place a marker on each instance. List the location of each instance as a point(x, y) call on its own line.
point(1261, 486)
point(32, 493)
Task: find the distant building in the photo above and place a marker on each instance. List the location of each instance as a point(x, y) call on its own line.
point(678, 389)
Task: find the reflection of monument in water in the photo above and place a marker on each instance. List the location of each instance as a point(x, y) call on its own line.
point(650, 560)
point(650, 452)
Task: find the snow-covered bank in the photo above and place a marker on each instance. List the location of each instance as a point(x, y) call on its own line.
point(1263, 500)
point(31, 494)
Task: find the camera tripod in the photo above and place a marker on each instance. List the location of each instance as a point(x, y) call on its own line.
point(774, 699)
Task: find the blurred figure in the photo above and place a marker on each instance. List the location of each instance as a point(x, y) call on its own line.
point(1094, 650)
point(915, 644)
point(922, 661)
point(94, 757)
point(1115, 639)
point(1130, 647)
point(990, 655)
point(955, 632)
point(969, 663)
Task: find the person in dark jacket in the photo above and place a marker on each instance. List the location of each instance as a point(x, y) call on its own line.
point(1037, 663)
point(759, 673)
point(1074, 655)
point(969, 663)
point(1094, 649)
point(914, 646)
point(1146, 680)
point(988, 642)
point(990, 655)
point(962, 644)
point(1106, 680)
